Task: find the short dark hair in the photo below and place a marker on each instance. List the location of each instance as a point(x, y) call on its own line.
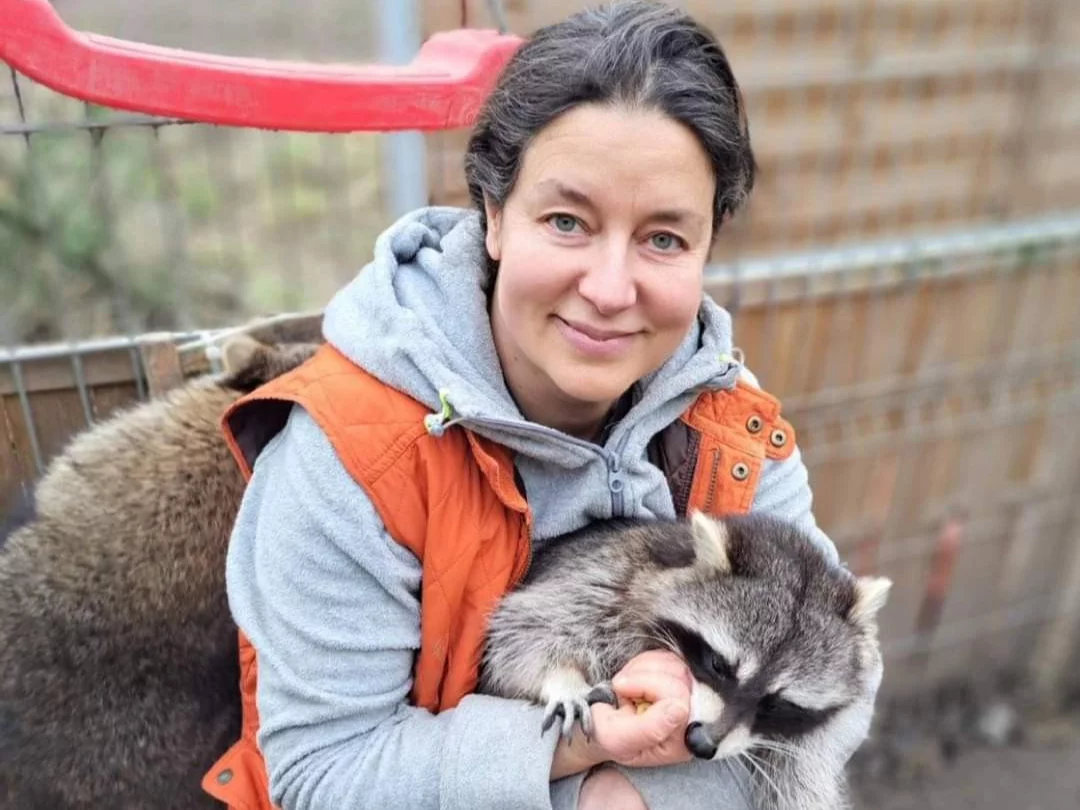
point(634, 53)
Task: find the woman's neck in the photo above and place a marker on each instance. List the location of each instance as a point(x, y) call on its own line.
point(583, 420)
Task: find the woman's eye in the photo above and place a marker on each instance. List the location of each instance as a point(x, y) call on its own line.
point(665, 241)
point(564, 223)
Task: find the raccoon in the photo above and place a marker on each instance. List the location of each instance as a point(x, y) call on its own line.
point(778, 640)
point(118, 656)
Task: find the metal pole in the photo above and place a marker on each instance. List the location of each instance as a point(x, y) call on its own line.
point(404, 157)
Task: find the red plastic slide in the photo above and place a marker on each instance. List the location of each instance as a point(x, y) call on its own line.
point(442, 88)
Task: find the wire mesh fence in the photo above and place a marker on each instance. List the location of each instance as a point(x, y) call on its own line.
point(137, 223)
point(905, 279)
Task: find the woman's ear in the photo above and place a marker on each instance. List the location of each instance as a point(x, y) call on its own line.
point(492, 240)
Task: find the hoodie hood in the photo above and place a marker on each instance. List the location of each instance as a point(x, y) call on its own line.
point(416, 318)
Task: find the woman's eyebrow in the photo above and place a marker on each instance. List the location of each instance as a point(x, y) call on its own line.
point(553, 189)
point(678, 216)
point(558, 190)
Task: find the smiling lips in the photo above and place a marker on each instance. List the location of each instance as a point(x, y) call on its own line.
point(594, 342)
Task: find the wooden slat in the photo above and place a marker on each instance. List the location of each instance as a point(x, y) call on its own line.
point(161, 359)
point(56, 374)
point(107, 399)
point(17, 469)
point(58, 415)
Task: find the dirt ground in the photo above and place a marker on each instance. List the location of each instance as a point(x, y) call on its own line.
point(1032, 777)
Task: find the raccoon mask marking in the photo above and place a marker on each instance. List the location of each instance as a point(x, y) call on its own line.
point(778, 640)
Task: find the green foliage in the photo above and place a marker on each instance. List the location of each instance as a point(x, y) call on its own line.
point(128, 229)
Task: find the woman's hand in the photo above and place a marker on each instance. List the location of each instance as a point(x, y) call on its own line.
point(657, 735)
point(626, 736)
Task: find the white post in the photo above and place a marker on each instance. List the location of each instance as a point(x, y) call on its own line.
point(404, 154)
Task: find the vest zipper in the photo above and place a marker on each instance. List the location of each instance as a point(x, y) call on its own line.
point(710, 495)
point(616, 483)
point(616, 480)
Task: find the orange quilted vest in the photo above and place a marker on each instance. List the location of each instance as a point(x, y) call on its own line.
point(458, 491)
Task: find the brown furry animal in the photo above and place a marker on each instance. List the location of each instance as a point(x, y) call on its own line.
point(118, 659)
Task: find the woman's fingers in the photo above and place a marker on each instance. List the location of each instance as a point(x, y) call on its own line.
point(656, 658)
point(659, 681)
point(624, 733)
point(651, 686)
point(656, 661)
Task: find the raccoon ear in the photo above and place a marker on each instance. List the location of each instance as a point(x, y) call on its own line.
point(710, 542)
point(871, 593)
point(239, 353)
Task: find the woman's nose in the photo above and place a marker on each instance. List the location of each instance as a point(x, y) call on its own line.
point(609, 284)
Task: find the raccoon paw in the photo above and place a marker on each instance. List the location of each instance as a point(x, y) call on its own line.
point(567, 699)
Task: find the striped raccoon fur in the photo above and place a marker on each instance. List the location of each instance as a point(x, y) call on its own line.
point(118, 655)
point(782, 645)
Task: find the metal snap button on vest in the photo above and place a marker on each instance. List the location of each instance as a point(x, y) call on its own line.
point(225, 776)
point(754, 424)
point(740, 472)
point(778, 438)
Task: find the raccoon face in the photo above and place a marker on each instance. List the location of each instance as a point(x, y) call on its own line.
point(740, 702)
point(778, 640)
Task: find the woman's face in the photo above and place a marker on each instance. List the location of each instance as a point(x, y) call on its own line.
point(601, 249)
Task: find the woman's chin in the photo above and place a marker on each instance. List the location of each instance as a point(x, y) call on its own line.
point(592, 386)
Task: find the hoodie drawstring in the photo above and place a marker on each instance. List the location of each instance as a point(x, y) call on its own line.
point(436, 423)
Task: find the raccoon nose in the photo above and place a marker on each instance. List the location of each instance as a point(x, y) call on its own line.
point(697, 740)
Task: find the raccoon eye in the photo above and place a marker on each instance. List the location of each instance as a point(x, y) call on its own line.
point(774, 705)
point(779, 717)
point(720, 665)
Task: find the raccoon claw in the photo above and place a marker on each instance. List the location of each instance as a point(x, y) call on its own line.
point(551, 715)
point(603, 693)
point(570, 712)
point(567, 696)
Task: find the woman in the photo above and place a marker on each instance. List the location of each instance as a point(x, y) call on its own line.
point(492, 380)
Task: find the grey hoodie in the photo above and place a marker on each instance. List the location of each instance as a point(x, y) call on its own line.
point(331, 602)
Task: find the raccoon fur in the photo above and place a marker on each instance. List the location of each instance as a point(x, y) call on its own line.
point(118, 656)
point(779, 641)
